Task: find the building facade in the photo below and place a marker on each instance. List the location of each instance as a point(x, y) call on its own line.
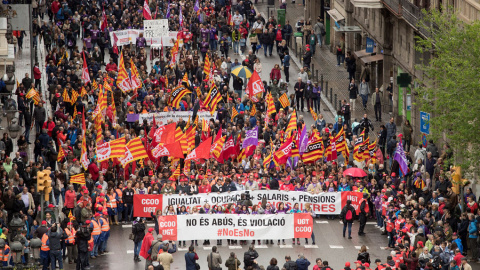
point(391, 28)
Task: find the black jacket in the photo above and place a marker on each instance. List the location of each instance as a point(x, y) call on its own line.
point(138, 231)
point(290, 265)
point(344, 212)
point(353, 91)
point(82, 237)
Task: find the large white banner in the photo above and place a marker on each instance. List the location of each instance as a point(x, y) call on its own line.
point(321, 203)
point(155, 28)
point(125, 37)
point(241, 227)
point(161, 118)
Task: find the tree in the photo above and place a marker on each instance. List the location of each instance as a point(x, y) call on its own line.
point(450, 86)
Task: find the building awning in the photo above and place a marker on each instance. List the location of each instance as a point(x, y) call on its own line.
point(335, 15)
point(372, 58)
point(347, 29)
point(367, 3)
point(362, 53)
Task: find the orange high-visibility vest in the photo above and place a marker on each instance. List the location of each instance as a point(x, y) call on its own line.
point(120, 194)
point(45, 247)
point(4, 257)
point(96, 227)
point(367, 209)
point(71, 236)
point(112, 201)
point(105, 225)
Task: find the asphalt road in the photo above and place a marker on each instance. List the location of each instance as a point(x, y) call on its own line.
point(330, 246)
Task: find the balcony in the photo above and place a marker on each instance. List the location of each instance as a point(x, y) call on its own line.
point(408, 11)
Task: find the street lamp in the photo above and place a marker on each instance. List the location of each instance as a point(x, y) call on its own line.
point(9, 78)
point(14, 129)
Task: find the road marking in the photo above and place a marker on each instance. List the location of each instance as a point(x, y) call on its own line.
point(371, 223)
point(130, 251)
point(359, 247)
point(321, 222)
point(108, 253)
point(207, 248)
point(182, 249)
point(384, 248)
point(311, 246)
point(235, 247)
point(130, 225)
point(333, 246)
point(261, 246)
point(286, 246)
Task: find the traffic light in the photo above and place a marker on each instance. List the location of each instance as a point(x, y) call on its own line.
point(44, 183)
point(457, 179)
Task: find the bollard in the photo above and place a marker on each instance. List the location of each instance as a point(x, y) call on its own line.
point(296, 49)
point(331, 96)
point(326, 87)
point(336, 102)
point(313, 72)
point(316, 75)
point(339, 104)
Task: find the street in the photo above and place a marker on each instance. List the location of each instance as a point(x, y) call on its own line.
point(330, 246)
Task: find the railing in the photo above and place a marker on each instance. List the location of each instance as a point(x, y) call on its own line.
point(394, 6)
point(410, 13)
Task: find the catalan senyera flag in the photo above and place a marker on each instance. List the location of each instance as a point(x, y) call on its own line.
point(176, 173)
point(190, 135)
point(111, 149)
point(371, 150)
point(106, 85)
point(366, 152)
point(340, 141)
point(102, 101)
point(180, 137)
point(94, 85)
point(284, 100)
point(186, 167)
point(314, 114)
point(78, 179)
point(185, 79)
point(34, 95)
point(177, 94)
point(83, 157)
point(135, 81)
point(292, 124)
point(270, 105)
point(134, 151)
point(65, 96)
point(234, 114)
point(83, 92)
point(217, 146)
point(198, 91)
point(213, 97)
point(314, 151)
point(253, 110)
point(360, 146)
point(98, 129)
point(61, 154)
point(114, 111)
point(207, 66)
point(174, 53)
point(74, 97)
point(205, 125)
point(123, 81)
point(195, 122)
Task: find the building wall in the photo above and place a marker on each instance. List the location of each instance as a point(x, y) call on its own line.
point(469, 10)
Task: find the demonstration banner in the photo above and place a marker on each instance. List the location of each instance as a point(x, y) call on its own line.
point(161, 118)
point(235, 227)
point(325, 203)
point(125, 37)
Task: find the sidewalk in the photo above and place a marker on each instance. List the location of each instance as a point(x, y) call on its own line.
point(325, 62)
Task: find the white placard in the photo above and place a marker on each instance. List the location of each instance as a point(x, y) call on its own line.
point(155, 28)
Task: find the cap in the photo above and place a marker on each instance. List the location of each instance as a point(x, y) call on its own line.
point(420, 243)
point(100, 209)
point(84, 187)
point(279, 25)
point(384, 190)
point(394, 174)
point(69, 223)
point(57, 95)
point(87, 222)
point(97, 214)
point(50, 206)
point(366, 265)
point(44, 222)
point(74, 159)
point(150, 230)
point(359, 262)
point(105, 213)
point(347, 264)
point(129, 104)
point(85, 192)
point(22, 94)
point(102, 194)
point(385, 197)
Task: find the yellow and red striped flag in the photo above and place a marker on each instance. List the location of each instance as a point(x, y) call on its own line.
point(34, 95)
point(74, 96)
point(136, 82)
point(83, 92)
point(61, 154)
point(98, 128)
point(253, 111)
point(195, 123)
point(207, 66)
point(270, 105)
point(180, 137)
point(190, 135)
point(234, 114)
point(111, 149)
point(123, 81)
point(217, 146)
point(78, 179)
point(314, 150)
point(185, 79)
point(176, 173)
point(177, 94)
point(292, 124)
point(83, 156)
point(284, 100)
point(205, 125)
point(134, 150)
point(314, 114)
point(94, 85)
point(213, 98)
point(65, 96)
point(371, 149)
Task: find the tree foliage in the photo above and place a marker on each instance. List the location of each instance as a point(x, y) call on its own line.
point(450, 86)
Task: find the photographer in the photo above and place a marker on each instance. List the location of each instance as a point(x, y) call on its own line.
point(245, 199)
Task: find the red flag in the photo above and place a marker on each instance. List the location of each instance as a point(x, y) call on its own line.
point(202, 151)
point(154, 127)
point(85, 74)
point(172, 150)
point(255, 85)
point(104, 23)
point(284, 152)
point(229, 150)
point(147, 13)
point(165, 134)
point(332, 155)
point(115, 40)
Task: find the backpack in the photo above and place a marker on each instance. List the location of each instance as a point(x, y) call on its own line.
point(247, 258)
point(349, 215)
point(437, 262)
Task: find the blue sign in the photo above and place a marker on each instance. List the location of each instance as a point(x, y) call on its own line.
point(370, 45)
point(425, 123)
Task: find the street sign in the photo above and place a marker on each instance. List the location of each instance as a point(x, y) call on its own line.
point(370, 45)
point(155, 28)
point(404, 79)
point(425, 123)
point(424, 140)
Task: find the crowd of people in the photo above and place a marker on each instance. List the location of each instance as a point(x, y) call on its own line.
point(427, 223)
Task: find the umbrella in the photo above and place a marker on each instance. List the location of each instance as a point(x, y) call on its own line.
point(242, 71)
point(354, 172)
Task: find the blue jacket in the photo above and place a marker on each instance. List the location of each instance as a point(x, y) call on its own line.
point(472, 229)
point(459, 244)
point(286, 61)
point(302, 264)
